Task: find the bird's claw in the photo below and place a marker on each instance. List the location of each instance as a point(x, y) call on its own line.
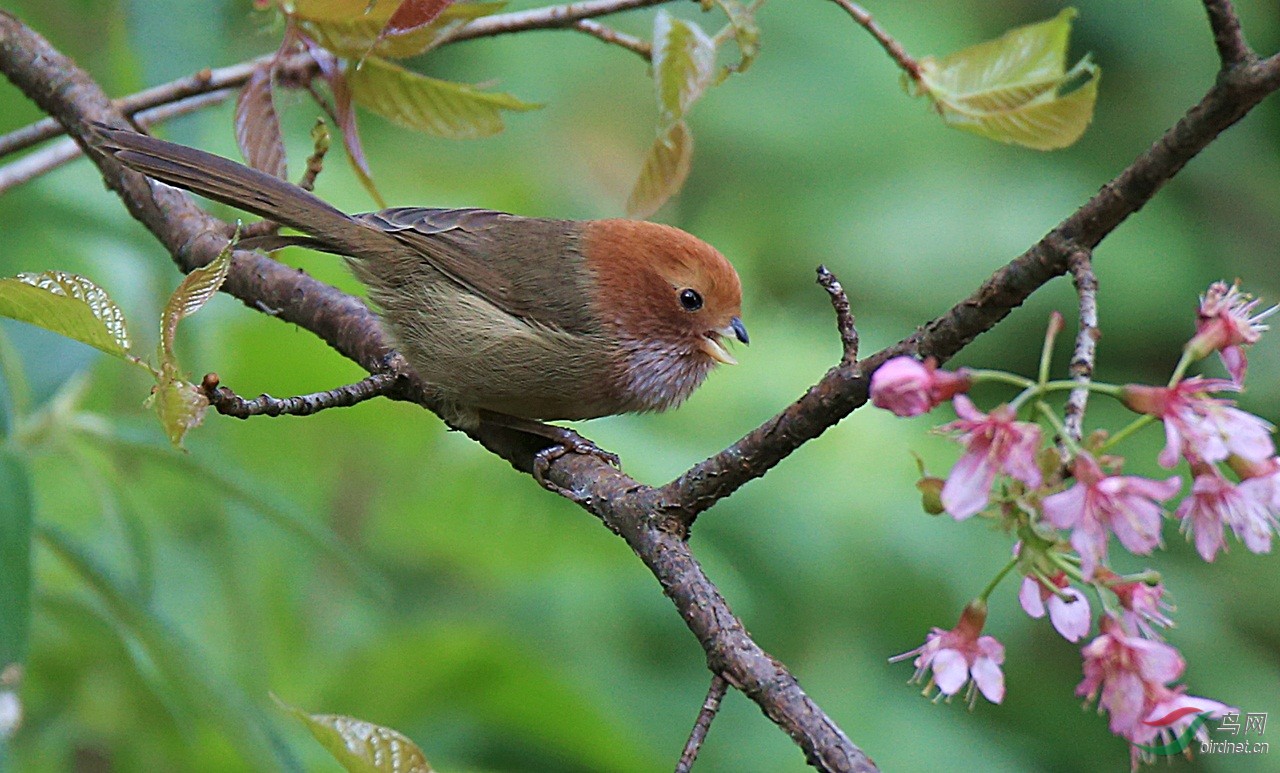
point(568, 442)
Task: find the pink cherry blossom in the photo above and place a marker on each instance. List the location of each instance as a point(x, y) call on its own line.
point(959, 655)
point(1200, 427)
point(1216, 502)
point(1071, 618)
point(1127, 675)
point(1098, 503)
point(993, 443)
point(1143, 607)
point(908, 387)
point(1226, 324)
point(1172, 712)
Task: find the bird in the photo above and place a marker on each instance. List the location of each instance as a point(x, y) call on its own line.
point(510, 320)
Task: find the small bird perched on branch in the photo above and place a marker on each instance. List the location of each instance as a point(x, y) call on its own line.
point(511, 320)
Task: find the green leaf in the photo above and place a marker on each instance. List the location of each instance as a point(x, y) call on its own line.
point(664, 171)
point(442, 108)
point(352, 36)
point(191, 296)
point(179, 404)
point(1016, 88)
point(684, 61)
point(69, 305)
point(17, 510)
point(362, 747)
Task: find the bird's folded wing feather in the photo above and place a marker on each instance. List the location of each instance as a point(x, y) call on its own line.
point(531, 268)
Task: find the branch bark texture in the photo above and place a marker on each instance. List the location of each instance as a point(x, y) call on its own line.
point(655, 522)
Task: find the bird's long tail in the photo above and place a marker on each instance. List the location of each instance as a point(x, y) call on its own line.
point(239, 186)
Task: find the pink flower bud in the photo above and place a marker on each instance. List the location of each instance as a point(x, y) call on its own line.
point(908, 387)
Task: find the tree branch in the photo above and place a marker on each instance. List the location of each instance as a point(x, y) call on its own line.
point(46, 160)
point(625, 506)
point(174, 91)
point(895, 50)
point(1227, 35)
point(715, 693)
point(650, 520)
point(551, 17)
point(228, 403)
point(844, 318)
point(610, 35)
point(844, 388)
point(1081, 265)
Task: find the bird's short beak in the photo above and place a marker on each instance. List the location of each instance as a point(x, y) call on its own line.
point(715, 350)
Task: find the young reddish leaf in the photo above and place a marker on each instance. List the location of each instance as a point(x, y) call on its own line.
point(442, 108)
point(412, 14)
point(69, 305)
point(362, 747)
point(684, 61)
point(664, 171)
point(360, 36)
point(1016, 88)
point(258, 126)
point(344, 115)
point(194, 292)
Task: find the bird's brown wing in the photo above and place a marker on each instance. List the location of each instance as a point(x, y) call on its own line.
point(531, 268)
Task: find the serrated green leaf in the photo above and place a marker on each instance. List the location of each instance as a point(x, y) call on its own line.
point(192, 294)
point(442, 108)
point(352, 36)
point(664, 171)
point(69, 305)
point(179, 404)
point(1016, 88)
point(684, 61)
point(17, 511)
point(362, 747)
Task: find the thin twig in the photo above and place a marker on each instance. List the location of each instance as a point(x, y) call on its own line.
point(315, 161)
point(173, 91)
point(715, 693)
point(610, 35)
point(899, 54)
point(551, 17)
point(1081, 265)
point(844, 317)
point(1233, 49)
point(229, 403)
point(47, 159)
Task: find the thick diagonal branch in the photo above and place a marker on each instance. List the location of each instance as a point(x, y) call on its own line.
point(844, 388)
point(345, 323)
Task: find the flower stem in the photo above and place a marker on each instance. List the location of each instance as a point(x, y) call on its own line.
point(1038, 390)
point(991, 586)
point(1059, 427)
point(977, 375)
point(1123, 434)
point(1180, 369)
point(1046, 352)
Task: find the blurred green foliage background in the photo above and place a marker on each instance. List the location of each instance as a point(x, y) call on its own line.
point(366, 562)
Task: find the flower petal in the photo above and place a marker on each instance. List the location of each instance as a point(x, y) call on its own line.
point(950, 671)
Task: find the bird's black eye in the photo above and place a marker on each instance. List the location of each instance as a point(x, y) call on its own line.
point(690, 299)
